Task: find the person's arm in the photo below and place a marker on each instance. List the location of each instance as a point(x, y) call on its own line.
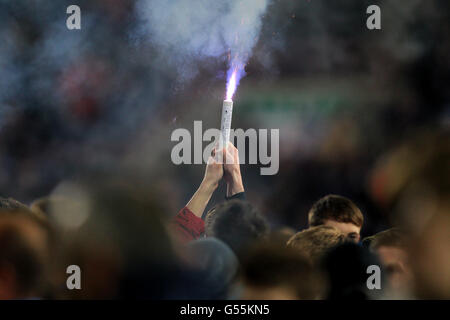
point(232, 173)
point(201, 197)
point(188, 224)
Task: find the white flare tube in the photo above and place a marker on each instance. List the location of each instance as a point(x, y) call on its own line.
point(225, 125)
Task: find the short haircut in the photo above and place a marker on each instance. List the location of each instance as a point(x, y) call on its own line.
point(237, 223)
point(336, 208)
point(314, 242)
point(393, 237)
point(271, 265)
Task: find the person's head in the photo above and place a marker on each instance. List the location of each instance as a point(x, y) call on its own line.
point(314, 242)
point(115, 232)
point(412, 182)
point(430, 252)
point(24, 254)
point(346, 268)
point(275, 272)
point(339, 212)
point(237, 223)
point(391, 247)
point(216, 263)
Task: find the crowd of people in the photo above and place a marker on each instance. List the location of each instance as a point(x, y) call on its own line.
point(120, 237)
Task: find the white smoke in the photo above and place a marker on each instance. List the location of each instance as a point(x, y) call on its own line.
point(187, 31)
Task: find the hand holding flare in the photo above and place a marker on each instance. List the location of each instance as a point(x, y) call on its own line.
point(223, 163)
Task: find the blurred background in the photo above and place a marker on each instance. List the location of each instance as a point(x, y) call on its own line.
point(103, 99)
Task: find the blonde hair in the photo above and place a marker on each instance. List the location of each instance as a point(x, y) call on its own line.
point(314, 242)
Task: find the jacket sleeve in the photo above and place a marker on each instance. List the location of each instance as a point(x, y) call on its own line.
point(187, 226)
point(239, 196)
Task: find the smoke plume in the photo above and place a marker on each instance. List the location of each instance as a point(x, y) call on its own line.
point(185, 32)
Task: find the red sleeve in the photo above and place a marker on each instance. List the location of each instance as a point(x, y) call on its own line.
point(187, 226)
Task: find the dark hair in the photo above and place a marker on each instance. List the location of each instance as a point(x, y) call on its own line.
point(237, 223)
point(271, 265)
point(346, 268)
point(336, 208)
point(216, 263)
